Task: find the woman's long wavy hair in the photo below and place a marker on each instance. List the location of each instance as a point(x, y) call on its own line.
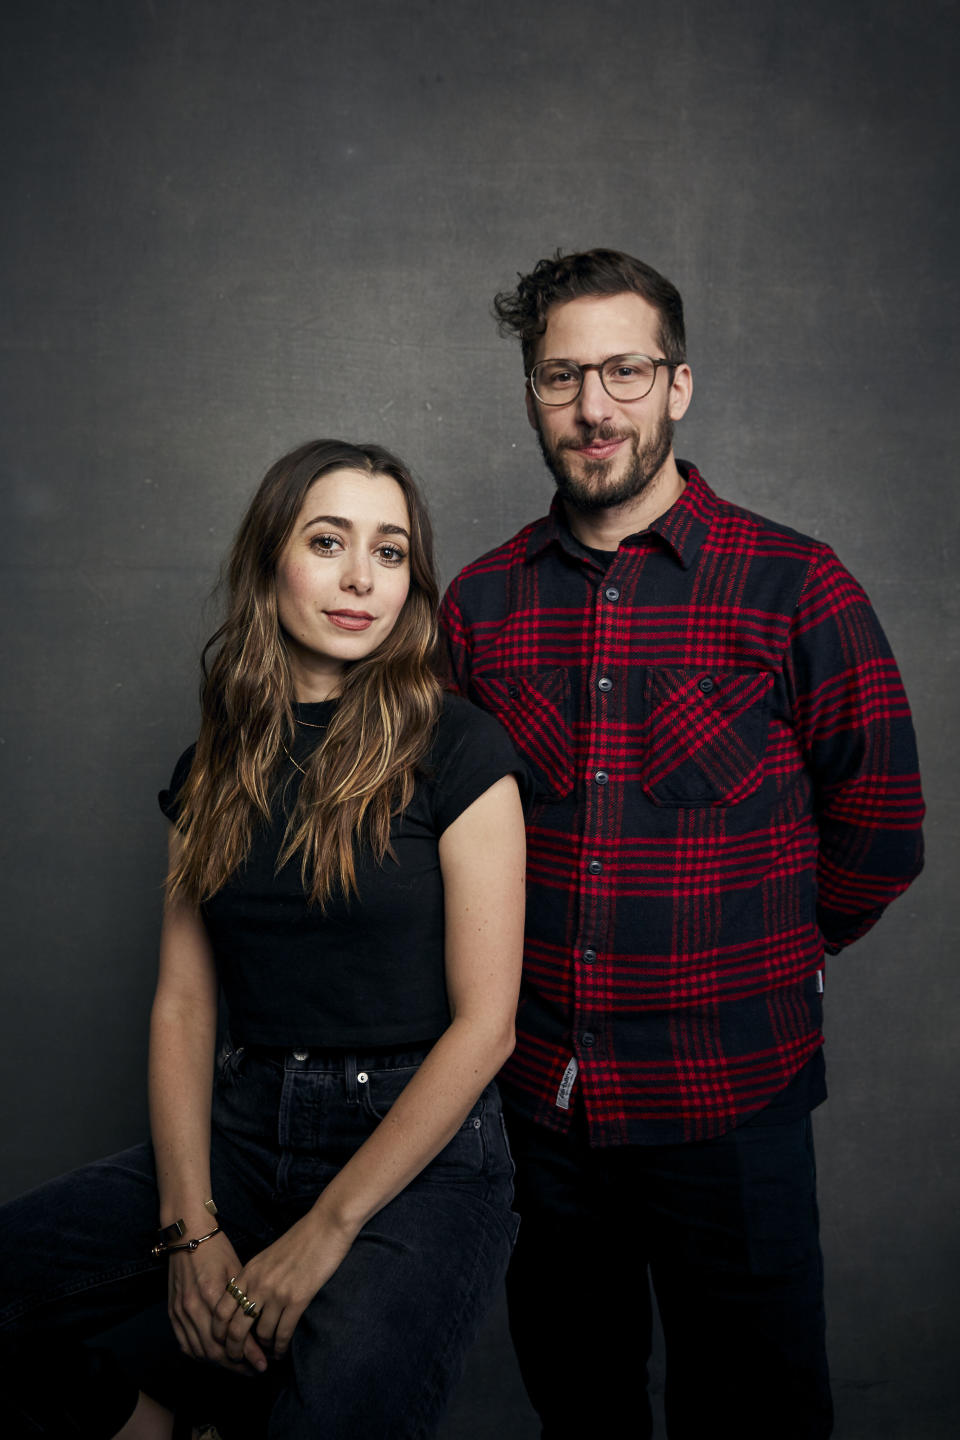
point(363, 771)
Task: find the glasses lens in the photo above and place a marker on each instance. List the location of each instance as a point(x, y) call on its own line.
point(628, 377)
point(555, 382)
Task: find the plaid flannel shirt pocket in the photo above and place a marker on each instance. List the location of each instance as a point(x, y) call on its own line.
point(704, 734)
point(535, 712)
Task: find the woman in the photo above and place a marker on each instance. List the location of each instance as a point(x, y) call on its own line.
point(346, 864)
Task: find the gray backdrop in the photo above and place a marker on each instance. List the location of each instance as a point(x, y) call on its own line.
point(229, 228)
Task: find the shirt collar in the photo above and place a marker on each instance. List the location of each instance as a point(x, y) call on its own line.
point(683, 528)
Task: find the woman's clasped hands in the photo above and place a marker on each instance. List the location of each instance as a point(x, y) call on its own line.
point(261, 1302)
point(195, 1286)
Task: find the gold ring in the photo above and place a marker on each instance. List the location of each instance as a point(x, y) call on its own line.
point(250, 1308)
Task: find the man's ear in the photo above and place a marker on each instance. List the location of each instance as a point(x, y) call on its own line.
point(681, 392)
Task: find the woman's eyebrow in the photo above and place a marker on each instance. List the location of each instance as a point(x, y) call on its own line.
point(340, 522)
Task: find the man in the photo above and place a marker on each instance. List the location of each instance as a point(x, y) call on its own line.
point(727, 786)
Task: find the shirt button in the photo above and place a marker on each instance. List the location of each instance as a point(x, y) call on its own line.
point(588, 1039)
point(513, 691)
point(612, 593)
point(601, 777)
point(301, 1054)
point(595, 867)
point(362, 1077)
point(605, 684)
point(706, 684)
point(589, 956)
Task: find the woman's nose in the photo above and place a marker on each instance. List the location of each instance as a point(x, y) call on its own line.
point(358, 575)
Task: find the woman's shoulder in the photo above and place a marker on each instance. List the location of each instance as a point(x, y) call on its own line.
point(470, 752)
point(461, 723)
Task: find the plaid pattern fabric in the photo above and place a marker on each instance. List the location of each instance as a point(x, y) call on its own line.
point(727, 785)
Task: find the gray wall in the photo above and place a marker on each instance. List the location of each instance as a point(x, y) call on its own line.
point(229, 228)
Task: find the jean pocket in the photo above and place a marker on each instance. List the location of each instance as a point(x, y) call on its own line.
point(534, 710)
point(704, 734)
point(379, 1089)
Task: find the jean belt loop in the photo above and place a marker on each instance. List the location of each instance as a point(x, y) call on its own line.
point(350, 1077)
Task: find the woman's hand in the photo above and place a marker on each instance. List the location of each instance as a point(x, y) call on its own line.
point(281, 1281)
point(196, 1284)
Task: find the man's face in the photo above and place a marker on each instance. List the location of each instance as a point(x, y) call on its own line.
point(604, 452)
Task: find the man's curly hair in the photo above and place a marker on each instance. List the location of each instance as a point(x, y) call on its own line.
point(523, 312)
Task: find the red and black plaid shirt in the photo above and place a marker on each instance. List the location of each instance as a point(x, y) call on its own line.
point(727, 785)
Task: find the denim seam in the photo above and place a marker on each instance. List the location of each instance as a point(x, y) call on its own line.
point(88, 1285)
point(437, 1394)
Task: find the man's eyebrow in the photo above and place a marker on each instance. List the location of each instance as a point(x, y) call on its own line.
point(340, 522)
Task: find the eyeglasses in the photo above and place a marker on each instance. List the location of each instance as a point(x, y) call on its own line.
point(624, 377)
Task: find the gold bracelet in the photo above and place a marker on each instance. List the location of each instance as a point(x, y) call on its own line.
point(191, 1245)
point(170, 1233)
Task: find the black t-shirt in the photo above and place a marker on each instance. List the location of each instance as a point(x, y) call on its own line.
point(365, 973)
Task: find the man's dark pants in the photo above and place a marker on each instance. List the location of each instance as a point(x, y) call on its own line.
point(726, 1230)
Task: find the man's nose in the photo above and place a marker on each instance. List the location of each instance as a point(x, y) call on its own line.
point(594, 405)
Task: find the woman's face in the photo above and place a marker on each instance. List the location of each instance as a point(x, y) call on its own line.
point(343, 576)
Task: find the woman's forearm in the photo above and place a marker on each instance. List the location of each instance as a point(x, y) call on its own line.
point(180, 1080)
point(283, 1278)
point(424, 1118)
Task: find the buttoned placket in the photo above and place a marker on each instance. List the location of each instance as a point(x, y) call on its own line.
point(602, 805)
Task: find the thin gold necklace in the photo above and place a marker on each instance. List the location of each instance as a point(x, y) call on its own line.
point(311, 725)
point(291, 759)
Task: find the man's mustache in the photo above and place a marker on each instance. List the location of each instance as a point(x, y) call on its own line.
point(589, 437)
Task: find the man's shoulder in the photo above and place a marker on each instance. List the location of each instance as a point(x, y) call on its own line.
point(777, 560)
point(735, 524)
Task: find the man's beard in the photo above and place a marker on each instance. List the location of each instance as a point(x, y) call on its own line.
point(586, 491)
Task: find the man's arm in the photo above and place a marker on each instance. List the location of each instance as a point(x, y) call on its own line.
point(455, 646)
point(853, 720)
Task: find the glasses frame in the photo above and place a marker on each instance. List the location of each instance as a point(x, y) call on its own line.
point(599, 366)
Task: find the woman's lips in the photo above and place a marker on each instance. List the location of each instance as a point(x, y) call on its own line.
point(350, 619)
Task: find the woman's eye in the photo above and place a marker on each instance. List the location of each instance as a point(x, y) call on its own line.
point(392, 554)
point(325, 543)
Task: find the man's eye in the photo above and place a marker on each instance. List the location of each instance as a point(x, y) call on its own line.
point(560, 377)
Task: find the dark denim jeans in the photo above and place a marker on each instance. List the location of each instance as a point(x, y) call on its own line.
point(375, 1354)
point(727, 1232)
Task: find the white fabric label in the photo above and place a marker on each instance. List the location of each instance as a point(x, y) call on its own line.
point(566, 1084)
point(819, 982)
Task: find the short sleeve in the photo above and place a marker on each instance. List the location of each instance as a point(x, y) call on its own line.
point(169, 799)
point(471, 753)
